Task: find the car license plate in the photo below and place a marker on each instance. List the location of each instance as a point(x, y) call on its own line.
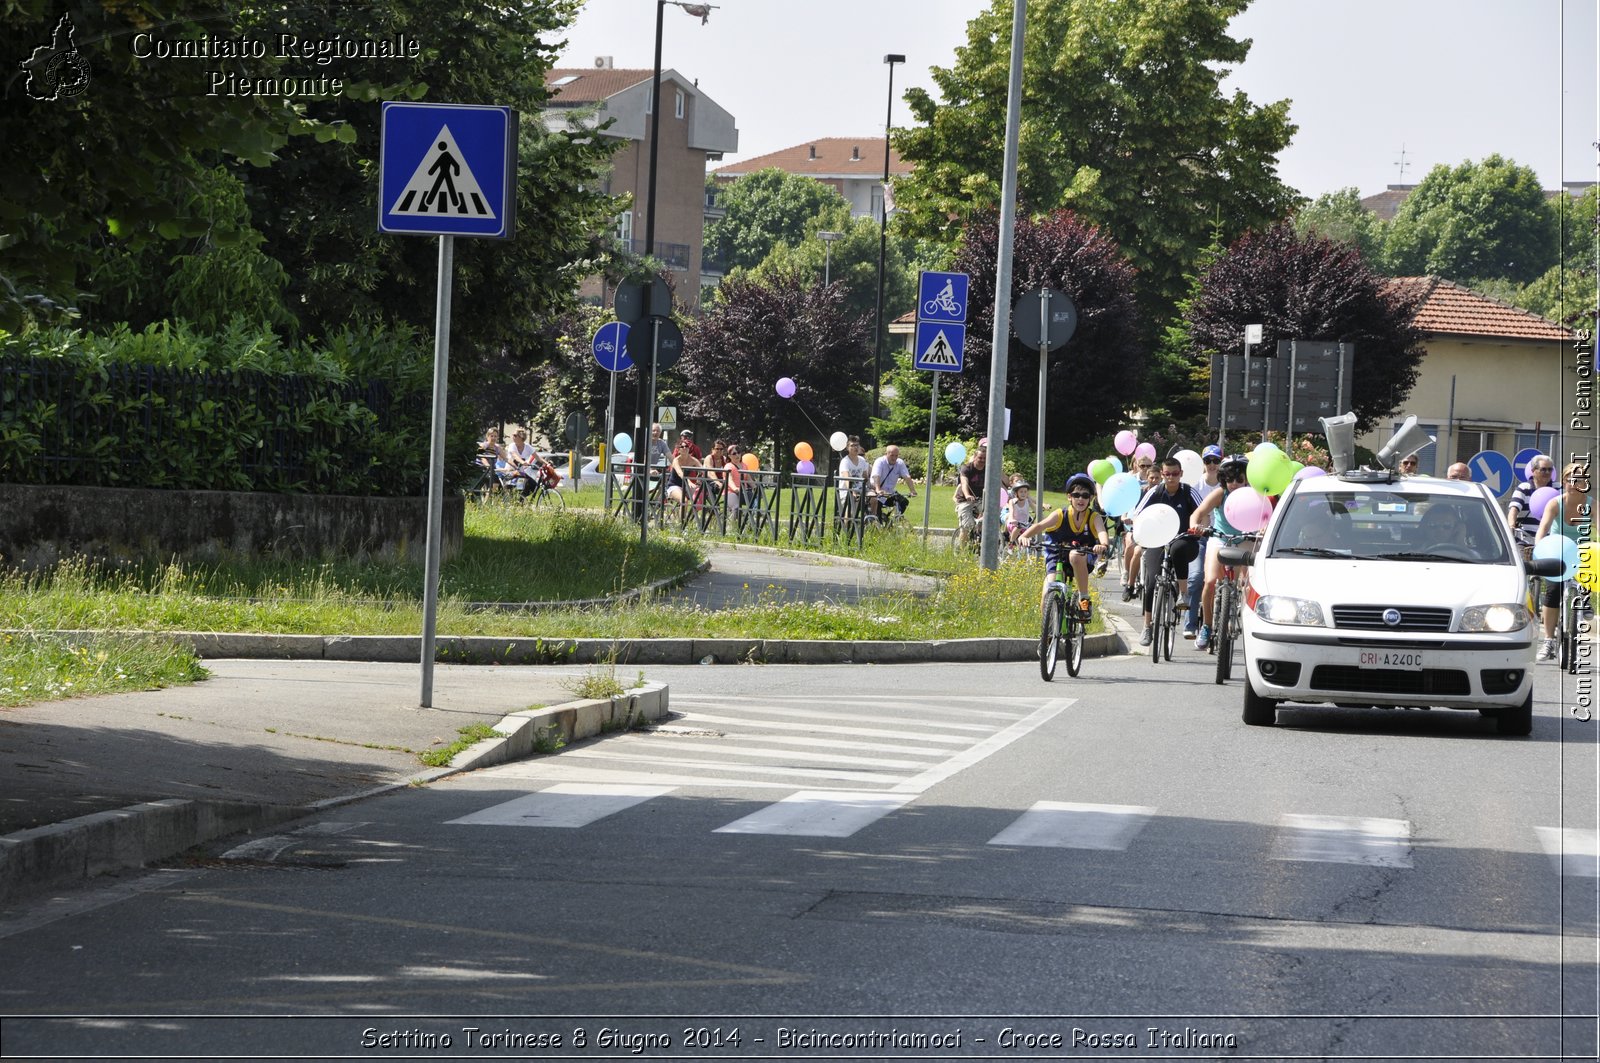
point(1391, 660)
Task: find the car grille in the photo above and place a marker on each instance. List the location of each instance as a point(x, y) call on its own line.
point(1412, 618)
point(1441, 681)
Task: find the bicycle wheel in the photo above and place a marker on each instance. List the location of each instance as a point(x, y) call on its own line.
point(1050, 637)
point(1169, 631)
point(1222, 637)
point(1160, 606)
point(1073, 636)
point(548, 500)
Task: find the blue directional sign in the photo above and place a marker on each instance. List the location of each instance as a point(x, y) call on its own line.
point(1519, 464)
point(940, 346)
point(1492, 469)
point(447, 169)
point(610, 347)
point(942, 297)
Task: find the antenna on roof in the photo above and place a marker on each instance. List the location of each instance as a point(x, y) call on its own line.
point(1402, 164)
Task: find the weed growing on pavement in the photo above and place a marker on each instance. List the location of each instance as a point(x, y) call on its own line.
point(39, 667)
point(471, 735)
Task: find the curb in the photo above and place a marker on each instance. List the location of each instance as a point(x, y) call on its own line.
point(62, 854)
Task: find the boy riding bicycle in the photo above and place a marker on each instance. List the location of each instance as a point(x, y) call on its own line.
point(1078, 532)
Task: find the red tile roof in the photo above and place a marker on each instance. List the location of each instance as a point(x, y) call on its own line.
point(592, 85)
point(1448, 309)
point(827, 157)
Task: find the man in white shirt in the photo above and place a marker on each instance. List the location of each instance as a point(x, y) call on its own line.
point(853, 472)
point(887, 472)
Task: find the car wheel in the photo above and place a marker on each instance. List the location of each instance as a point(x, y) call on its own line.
point(1258, 711)
point(1517, 720)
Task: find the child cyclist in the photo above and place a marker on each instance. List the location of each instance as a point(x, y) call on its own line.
point(1072, 535)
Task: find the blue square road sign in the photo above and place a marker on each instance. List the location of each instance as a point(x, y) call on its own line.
point(940, 346)
point(942, 297)
point(447, 170)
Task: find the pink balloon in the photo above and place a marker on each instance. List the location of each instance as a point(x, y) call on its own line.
point(1309, 471)
point(1145, 450)
point(785, 388)
point(1540, 500)
point(804, 468)
point(1126, 441)
point(1246, 509)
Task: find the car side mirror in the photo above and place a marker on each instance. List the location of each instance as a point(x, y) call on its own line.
point(1548, 567)
point(1237, 556)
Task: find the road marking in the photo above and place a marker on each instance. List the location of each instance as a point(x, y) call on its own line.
point(692, 716)
point(1070, 825)
point(272, 846)
point(818, 814)
point(1573, 851)
point(730, 747)
point(760, 711)
point(1346, 840)
point(968, 757)
point(722, 765)
point(566, 805)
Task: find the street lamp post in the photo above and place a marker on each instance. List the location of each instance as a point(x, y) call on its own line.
point(827, 237)
point(883, 237)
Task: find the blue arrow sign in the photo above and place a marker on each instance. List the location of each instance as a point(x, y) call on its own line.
point(1519, 464)
point(1492, 469)
point(942, 297)
point(610, 347)
point(940, 346)
point(447, 169)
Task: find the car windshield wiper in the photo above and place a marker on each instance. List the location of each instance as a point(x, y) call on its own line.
point(1411, 555)
point(1312, 551)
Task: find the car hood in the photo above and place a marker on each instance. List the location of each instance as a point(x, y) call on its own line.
point(1337, 581)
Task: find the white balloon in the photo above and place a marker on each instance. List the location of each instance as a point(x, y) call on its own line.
point(1155, 527)
point(838, 441)
point(1194, 469)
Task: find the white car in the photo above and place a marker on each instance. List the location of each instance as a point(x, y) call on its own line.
point(589, 474)
point(1368, 590)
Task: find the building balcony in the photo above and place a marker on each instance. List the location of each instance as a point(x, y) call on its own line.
point(673, 256)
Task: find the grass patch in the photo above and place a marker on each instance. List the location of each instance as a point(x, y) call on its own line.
point(47, 668)
point(441, 756)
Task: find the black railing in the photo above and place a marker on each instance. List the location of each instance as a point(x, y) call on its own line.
point(673, 256)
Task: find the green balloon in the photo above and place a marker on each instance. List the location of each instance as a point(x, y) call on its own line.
point(1282, 474)
point(1262, 470)
point(1101, 470)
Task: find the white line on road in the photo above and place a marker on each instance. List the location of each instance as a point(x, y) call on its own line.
point(1346, 840)
point(818, 814)
point(1071, 825)
point(1573, 851)
point(968, 757)
point(564, 805)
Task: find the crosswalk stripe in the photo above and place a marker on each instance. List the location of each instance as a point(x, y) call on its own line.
point(1071, 825)
point(692, 717)
point(835, 743)
point(759, 712)
point(1573, 851)
point(972, 755)
point(818, 814)
point(730, 747)
point(753, 769)
point(564, 805)
point(1346, 840)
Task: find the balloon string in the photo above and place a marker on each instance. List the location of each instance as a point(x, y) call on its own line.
point(807, 416)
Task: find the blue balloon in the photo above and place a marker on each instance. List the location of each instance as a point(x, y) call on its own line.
point(1120, 494)
point(1562, 547)
point(623, 443)
point(955, 453)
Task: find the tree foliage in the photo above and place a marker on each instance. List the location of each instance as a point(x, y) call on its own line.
point(1567, 292)
point(1124, 121)
point(1096, 376)
point(761, 330)
point(1472, 222)
point(765, 209)
point(1312, 288)
point(1340, 216)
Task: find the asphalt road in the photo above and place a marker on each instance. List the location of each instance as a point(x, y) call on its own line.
point(874, 861)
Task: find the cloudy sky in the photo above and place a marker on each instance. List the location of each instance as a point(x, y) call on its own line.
point(1439, 80)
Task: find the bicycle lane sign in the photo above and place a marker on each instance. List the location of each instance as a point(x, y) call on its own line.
point(941, 322)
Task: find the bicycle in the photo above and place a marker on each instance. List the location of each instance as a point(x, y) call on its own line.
point(1164, 609)
point(1577, 620)
point(1061, 626)
point(1226, 612)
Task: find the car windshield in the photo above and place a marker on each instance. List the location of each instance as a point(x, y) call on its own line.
point(1392, 524)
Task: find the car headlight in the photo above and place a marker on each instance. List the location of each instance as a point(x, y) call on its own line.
point(1278, 609)
point(1494, 618)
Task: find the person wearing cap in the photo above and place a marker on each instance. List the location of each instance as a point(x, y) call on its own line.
point(1212, 458)
point(1020, 511)
point(686, 443)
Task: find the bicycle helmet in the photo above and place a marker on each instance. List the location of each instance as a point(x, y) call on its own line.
point(1082, 478)
point(1231, 469)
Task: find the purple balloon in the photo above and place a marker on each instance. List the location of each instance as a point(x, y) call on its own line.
point(785, 387)
point(1540, 499)
point(1309, 471)
point(804, 468)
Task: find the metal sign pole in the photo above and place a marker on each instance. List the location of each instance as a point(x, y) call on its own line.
point(441, 383)
point(1222, 420)
point(1288, 428)
point(650, 411)
point(1044, 374)
point(607, 445)
point(927, 481)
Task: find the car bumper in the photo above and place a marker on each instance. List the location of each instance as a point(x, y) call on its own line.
point(1441, 671)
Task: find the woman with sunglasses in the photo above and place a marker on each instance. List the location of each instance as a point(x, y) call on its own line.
point(1523, 520)
point(1076, 531)
point(1570, 514)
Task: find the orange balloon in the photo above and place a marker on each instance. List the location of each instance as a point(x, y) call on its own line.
point(751, 462)
point(802, 450)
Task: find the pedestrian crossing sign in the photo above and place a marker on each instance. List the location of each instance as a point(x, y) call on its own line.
point(447, 170)
point(940, 346)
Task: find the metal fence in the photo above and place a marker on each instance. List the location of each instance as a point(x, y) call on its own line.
point(819, 508)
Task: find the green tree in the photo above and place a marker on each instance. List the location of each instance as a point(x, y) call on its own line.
point(1124, 121)
point(1473, 222)
point(1340, 216)
point(909, 392)
point(1567, 291)
point(1178, 385)
point(1312, 288)
point(767, 208)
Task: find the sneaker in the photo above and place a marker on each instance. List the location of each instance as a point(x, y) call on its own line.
point(1083, 608)
point(1547, 652)
point(1203, 643)
point(1127, 592)
point(1148, 636)
point(1100, 569)
point(1188, 630)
